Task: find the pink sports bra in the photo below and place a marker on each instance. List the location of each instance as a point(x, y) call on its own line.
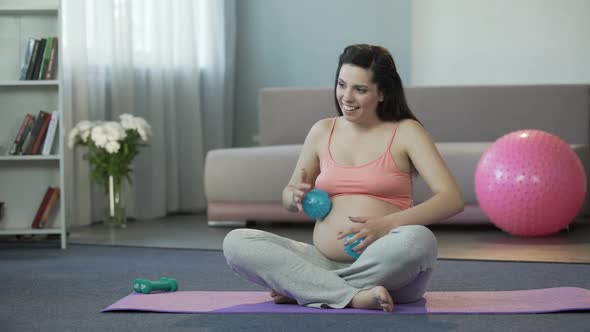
point(379, 178)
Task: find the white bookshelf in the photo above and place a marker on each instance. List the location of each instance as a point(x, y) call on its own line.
point(24, 179)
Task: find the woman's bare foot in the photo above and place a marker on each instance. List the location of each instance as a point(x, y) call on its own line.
point(375, 298)
point(280, 299)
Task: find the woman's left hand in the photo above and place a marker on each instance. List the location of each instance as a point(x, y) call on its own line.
point(369, 228)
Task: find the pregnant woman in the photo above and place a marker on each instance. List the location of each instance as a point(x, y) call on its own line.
point(364, 159)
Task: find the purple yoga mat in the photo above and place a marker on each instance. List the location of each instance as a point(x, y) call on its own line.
point(480, 302)
point(485, 302)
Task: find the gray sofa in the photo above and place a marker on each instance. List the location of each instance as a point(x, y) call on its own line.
point(245, 184)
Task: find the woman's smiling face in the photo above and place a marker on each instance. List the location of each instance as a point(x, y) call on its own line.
point(357, 95)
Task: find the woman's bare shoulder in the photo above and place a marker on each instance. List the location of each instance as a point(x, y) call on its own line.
point(411, 127)
point(325, 123)
point(321, 127)
point(411, 131)
point(318, 134)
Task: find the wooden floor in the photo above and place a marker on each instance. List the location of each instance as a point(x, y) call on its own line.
point(455, 242)
point(489, 243)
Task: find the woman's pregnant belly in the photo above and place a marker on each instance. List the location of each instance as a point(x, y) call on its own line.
point(326, 231)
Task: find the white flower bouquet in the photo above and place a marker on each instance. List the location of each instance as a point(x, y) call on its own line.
point(112, 145)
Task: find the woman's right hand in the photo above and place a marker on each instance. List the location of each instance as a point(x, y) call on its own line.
point(293, 194)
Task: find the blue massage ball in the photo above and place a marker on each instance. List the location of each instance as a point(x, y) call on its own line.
point(349, 247)
point(316, 204)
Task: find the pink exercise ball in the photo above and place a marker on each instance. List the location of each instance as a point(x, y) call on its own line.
point(530, 183)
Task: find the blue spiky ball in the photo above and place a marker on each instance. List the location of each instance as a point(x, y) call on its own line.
point(355, 255)
point(316, 204)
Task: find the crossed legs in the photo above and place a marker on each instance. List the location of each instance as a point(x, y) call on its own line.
point(398, 265)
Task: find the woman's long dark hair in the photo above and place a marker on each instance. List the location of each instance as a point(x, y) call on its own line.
point(379, 61)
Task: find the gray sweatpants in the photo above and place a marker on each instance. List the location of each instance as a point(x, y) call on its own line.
point(402, 262)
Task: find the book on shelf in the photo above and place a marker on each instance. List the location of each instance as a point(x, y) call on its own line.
point(30, 61)
point(24, 142)
point(46, 208)
point(14, 148)
point(42, 207)
point(36, 134)
point(51, 72)
point(45, 59)
point(40, 59)
point(29, 49)
point(49, 210)
point(50, 135)
point(27, 148)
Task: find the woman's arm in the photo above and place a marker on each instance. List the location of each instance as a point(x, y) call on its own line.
point(447, 199)
point(306, 169)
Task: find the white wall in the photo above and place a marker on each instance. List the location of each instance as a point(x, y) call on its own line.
point(469, 42)
point(434, 42)
point(284, 43)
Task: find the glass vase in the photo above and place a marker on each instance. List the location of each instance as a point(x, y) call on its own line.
point(115, 202)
